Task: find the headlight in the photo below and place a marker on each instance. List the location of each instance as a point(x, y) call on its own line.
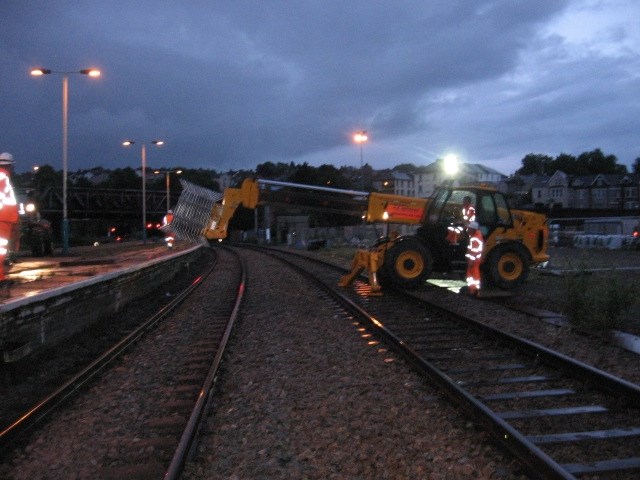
point(30, 208)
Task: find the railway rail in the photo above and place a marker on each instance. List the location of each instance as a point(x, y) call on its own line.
point(150, 398)
point(560, 417)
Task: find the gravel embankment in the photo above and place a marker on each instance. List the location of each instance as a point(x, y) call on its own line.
point(305, 395)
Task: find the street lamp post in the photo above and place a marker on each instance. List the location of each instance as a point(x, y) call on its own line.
point(360, 138)
point(128, 143)
point(168, 183)
point(92, 72)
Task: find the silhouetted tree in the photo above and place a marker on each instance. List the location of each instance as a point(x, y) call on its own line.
point(123, 178)
point(597, 162)
point(46, 177)
point(535, 163)
point(587, 163)
point(568, 164)
point(270, 170)
point(408, 168)
point(201, 177)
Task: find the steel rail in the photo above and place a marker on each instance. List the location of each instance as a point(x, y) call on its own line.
point(523, 447)
point(187, 439)
point(42, 409)
point(571, 367)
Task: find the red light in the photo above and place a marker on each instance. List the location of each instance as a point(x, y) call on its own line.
point(149, 225)
point(636, 233)
point(113, 229)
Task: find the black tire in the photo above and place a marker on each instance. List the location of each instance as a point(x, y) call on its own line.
point(507, 266)
point(408, 264)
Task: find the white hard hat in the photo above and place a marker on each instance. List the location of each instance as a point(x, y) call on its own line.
point(474, 225)
point(169, 211)
point(6, 158)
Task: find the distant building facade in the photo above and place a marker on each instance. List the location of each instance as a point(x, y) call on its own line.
point(583, 192)
point(425, 180)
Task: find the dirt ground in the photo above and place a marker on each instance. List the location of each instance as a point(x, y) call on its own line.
point(590, 258)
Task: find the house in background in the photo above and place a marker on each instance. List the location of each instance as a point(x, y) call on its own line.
point(587, 192)
point(425, 180)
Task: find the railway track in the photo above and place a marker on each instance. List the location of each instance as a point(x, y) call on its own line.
point(541, 406)
point(561, 418)
point(143, 399)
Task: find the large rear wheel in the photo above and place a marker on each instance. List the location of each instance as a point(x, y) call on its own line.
point(507, 267)
point(407, 264)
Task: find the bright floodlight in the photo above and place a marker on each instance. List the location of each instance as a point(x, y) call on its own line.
point(360, 137)
point(451, 164)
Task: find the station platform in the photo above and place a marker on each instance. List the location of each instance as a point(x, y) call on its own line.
point(54, 297)
point(34, 276)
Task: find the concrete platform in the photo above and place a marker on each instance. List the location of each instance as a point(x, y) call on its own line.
point(34, 276)
point(56, 297)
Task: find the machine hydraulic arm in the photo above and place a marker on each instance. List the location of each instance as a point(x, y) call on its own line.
point(204, 214)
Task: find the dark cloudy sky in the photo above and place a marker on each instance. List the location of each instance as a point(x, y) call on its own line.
point(231, 84)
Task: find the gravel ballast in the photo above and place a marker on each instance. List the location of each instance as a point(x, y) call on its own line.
point(305, 394)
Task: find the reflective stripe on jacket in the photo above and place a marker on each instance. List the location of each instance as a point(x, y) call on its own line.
point(474, 249)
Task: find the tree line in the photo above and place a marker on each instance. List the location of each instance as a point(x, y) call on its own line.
point(587, 163)
point(352, 178)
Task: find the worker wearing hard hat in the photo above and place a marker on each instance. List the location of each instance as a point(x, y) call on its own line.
point(167, 219)
point(8, 212)
point(474, 257)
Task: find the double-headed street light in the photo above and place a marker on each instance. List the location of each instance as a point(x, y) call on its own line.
point(128, 143)
point(168, 183)
point(92, 72)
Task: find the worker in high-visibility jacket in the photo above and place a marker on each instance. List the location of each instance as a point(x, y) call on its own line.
point(474, 257)
point(468, 210)
point(456, 231)
point(8, 211)
point(166, 220)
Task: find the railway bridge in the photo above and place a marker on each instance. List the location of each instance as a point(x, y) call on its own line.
point(92, 212)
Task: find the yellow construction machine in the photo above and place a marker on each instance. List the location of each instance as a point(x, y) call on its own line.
point(515, 240)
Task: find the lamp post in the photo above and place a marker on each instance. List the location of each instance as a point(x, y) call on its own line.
point(128, 143)
point(168, 183)
point(360, 138)
point(92, 72)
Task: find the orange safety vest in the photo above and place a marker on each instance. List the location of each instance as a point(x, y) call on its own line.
point(168, 218)
point(469, 213)
point(474, 256)
point(8, 202)
point(474, 249)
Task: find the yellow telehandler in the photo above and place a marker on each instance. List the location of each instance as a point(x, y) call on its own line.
point(515, 240)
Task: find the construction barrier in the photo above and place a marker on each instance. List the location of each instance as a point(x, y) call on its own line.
point(611, 242)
